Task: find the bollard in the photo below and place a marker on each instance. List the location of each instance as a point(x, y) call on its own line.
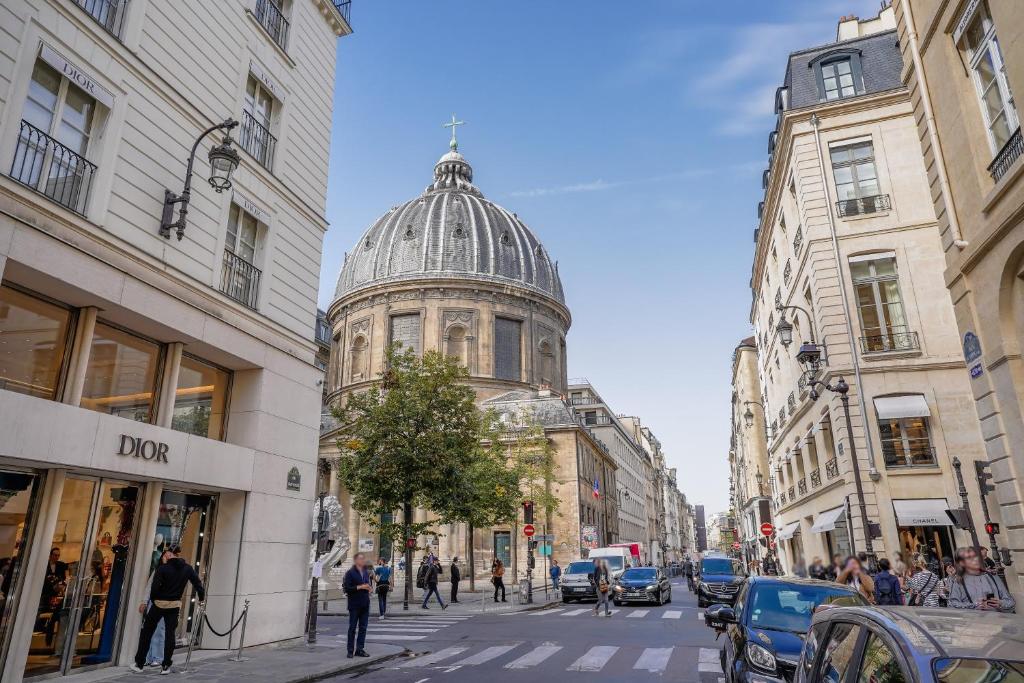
point(195, 635)
point(241, 637)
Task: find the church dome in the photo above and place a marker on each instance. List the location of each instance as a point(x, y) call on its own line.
point(450, 231)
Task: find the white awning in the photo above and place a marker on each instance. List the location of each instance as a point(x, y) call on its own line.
point(787, 532)
point(910, 405)
point(922, 512)
point(826, 521)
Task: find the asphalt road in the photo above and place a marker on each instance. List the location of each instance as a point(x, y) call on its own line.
point(563, 642)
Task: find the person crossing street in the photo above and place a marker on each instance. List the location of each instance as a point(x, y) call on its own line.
point(430, 582)
point(601, 578)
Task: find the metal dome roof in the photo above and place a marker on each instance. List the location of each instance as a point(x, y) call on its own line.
point(450, 231)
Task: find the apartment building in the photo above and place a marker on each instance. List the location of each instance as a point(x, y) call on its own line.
point(748, 453)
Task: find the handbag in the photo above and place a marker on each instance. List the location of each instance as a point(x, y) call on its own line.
point(917, 599)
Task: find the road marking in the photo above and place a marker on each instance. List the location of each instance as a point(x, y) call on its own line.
point(485, 655)
point(533, 657)
point(434, 658)
point(636, 614)
point(540, 613)
point(654, 659)
point(672, 614)
point(388, 636)
point(709, 661)
point(700, 616)
point(595, 658)
point(401, 629)
point(573, 613)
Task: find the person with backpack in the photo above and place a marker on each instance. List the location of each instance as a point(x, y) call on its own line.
point(974, 588)
point(601, 579)
point(888, 590)
point(497, 574)
point(382, 574)
point(923, 586)
point(421, 574)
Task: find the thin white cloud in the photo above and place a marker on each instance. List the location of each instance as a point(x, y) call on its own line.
point(601, 185)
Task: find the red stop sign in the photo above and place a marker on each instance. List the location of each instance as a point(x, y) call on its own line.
point(767, 529)
point(528, 530)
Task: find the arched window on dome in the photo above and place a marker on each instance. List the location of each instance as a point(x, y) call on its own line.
point(547, 363)
point(455, 344)
point(359, 357)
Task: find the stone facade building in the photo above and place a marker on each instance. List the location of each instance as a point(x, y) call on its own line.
point(748, 452)
point(157, 386)
point(962, 63)
point(847, 252)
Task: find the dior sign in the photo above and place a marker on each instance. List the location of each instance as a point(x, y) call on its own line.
point(137, 447)
point(76, 76)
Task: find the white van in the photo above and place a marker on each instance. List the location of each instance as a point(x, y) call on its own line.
point(616, 558)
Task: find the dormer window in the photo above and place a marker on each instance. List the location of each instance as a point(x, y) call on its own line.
point(839, 75)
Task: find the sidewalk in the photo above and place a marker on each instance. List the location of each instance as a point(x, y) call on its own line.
point(292, 663)
point(478, 602)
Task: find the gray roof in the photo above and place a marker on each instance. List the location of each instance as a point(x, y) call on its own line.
point(548, 411)
point(880, 58)
point(450, 231)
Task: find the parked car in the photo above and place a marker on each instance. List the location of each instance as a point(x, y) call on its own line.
point(765, 630)
point(919, 645)
point(576, 583)
point(718, 580)
point(642, 584)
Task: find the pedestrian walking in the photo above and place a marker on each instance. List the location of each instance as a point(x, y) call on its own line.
point(497, 572)
point(169, 582)
point(836, 567)
point(854, 574)
point(356, 586)
point(556, 574)
point(974, 588)
point(799, 568)
point(602, 581)
point(382, 575)
point(430, 581)
point(155, 655)
point(689, 569)
point(818, 570)
point(455, 576)
point(421, 574)
point(888, 590)
point(923, 585)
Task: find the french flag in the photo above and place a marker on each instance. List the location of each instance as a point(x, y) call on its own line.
point(597, 488)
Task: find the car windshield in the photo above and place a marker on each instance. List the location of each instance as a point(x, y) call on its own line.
point(787, 607)
point(720, 565)
point(583, 567)
point(644, 574)
point(949, 670)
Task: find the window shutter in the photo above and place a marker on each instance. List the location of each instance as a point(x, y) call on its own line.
point(405, 330)
point(507, 352)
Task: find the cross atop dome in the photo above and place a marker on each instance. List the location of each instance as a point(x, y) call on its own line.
point(454, 144)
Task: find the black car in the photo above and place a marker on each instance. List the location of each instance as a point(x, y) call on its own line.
point(921, 645)
point(642, 584)
point(765, 630)
point(718, 580)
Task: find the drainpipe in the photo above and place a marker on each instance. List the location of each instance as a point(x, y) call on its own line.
point(872, 469)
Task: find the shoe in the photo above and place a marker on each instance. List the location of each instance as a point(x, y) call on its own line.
point(166, 671)
point(362, 653)
point(135, 669)
point(444, 607)
point(154, 664)
point(424, 607)
point(504, 600)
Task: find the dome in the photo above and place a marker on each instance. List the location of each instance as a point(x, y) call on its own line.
point(450, 231)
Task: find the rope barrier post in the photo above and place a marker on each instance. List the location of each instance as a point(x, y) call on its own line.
point(195, 635)
point(241, 637)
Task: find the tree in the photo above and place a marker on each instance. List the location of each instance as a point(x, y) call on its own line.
point(411, 440)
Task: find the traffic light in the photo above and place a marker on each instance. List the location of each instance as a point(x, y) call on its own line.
point(527, 512)
point(984, 477)
point(991, 528)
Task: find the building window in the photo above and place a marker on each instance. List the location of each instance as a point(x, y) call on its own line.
point(880, 304)
point(271, 16)
point(201, 398)
point(258, 112)
point(837, 79)
point(55, 132)
point(109, 14)
point(33, 341)
point(906, 442)
point(857, 189)
point(989, 73)
point(405, 331)
point(240, 279)
point(121, 376)
point(508, 361)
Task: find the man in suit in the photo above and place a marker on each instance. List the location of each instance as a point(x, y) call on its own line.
point(455, 576)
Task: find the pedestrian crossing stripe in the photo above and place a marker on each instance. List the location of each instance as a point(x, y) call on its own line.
point(654, 659)
point(402, 629)
point(434, 658)
point(574, 612)
point(534, 657)
point(594, 659)
point(672, 614)
point(485, 655)
point(637, 614)
point(392, 636)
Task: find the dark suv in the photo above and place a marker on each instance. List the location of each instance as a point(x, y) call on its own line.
point(718, 580)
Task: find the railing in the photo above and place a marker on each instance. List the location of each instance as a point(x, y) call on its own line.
point(864, 205)
point(801, 486)
point(344, 8)
point(584, 401)
point(50, 168)
point(1010, 152)
point(272, 19)
point(918, 454)
point(323, 330)
point(109, 14)
point(792, 493)
point(255, 139)
point(896, 339)
point(598, 420)
point(832, 469)
point(815, 478)
point(240, 280)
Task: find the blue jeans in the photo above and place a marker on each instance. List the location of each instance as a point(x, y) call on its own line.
point(357, 617)
point(156, 646)
point(554, 582)
point(432, 589)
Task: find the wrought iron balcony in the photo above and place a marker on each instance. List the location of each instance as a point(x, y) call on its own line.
point(48, 167)
point(1010, 152)
point(801, 486)
point(597, 420)
point(792, 493)
point(255, 139)
point(583, 400)
point(272, 19)
point(109, 14)
point(832, 469)
point(863, 205)
point(344, 8)
point(815, 478)
point(917, 454)
point(895, 339)
point(240, 280)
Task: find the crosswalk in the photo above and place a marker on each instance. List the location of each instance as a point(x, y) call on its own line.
point(588, 612)
point(654, 660)
point(405, 630)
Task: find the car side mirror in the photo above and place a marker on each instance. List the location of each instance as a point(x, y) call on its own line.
point(727, 614)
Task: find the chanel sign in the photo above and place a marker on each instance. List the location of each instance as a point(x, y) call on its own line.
point(137, 447)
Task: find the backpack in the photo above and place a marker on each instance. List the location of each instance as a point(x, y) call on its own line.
point(888, 590)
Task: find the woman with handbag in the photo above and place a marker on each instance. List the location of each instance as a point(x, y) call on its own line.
point(923, 586)
point(602, 580)
point(382, 575)
point(497, 574)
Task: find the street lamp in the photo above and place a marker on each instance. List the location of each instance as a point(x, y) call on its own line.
point(759, 478)
point(223, 162)
point(810, 353)
point(748, 417)
point(785, 331)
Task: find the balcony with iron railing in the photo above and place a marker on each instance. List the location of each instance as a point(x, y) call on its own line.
point(801, 486)
point(792, 493)
point(861, 206)
point(51, 169)
point(268, 13)
point(832, 469)
point(344, 8)
point(256, 139)
point(815, 478)
point(584, 401)
point(597, 420)
point(895, 339)
point(109, 14)
point(240, 280)
point(1006, 157)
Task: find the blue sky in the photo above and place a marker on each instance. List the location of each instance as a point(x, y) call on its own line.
point(630, 136)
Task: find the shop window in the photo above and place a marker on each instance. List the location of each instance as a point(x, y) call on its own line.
point(906, 441)
point(201, 398)
point(121, 376)
point(18, 493)
point(33, 342)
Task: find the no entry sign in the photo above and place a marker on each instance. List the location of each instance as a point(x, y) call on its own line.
point(767, 529)
point(528, 530)
point(736, 546)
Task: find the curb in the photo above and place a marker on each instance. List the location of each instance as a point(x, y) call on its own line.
point(357, 669)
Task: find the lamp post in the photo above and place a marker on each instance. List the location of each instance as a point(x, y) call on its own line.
point(759, 478)
point(811, 354)
point(223, 162)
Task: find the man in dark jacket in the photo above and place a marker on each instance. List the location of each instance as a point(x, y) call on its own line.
point(430, 581)
point(887, 586)
point(456, 576)
point(169, 582)
point(356, 586)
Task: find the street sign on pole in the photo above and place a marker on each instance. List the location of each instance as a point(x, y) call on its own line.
point(767, 529)
point(528, 530)
point(544, 538)
point(736, 546)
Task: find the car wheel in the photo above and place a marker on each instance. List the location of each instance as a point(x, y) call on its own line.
point(566, 600)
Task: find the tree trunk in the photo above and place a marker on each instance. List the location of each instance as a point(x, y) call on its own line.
point(406, 521)
point(469, 557)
